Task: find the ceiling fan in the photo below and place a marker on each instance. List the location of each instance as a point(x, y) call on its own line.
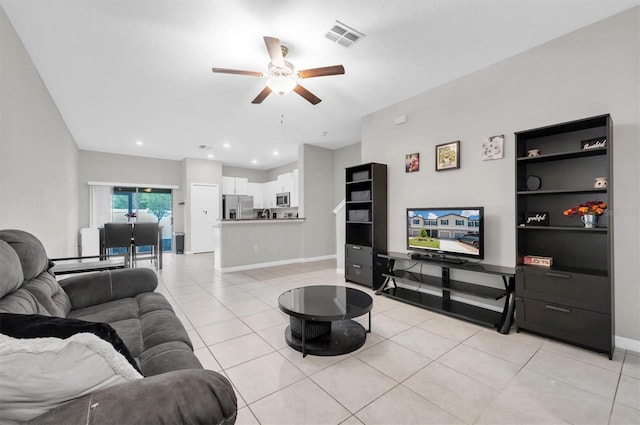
point(282, 74)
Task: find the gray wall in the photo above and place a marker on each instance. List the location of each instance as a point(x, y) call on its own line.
point(254, 176)
point(589, 72)
point(114, 168)
point(343, 158)
point(316, 200)
point(273, 173)
point(38, 156)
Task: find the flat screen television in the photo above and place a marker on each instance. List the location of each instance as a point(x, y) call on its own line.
point(446, 234)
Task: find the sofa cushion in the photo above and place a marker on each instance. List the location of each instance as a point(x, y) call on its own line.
point(38, 326)
point(47, 296)
point(10, 270)
point(167, 357)
point(109, 312)
point(39, 374)
point(161, 326)
point(131, 333)
point(33, 256)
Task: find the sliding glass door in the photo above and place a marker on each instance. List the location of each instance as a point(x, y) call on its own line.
point(144, 204)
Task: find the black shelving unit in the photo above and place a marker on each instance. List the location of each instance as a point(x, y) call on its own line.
point(435, 292)
point(366, 223)
point(572, 300)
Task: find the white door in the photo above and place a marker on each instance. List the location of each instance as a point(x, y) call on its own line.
point(204, 214)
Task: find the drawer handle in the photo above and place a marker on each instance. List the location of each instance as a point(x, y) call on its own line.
point(560, 275)
point(560, 309)
point(356, 247)
point(356, 266)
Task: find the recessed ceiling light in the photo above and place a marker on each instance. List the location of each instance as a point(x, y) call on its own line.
point(210, 155)
point(226, 145)
point(276, 153)
point(254, 161)
point(139, 142)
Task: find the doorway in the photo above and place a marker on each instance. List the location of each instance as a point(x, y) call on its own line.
point(205, 212)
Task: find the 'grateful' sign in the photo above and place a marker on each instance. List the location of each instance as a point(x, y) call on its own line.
point(536, 219)
point(599, 143)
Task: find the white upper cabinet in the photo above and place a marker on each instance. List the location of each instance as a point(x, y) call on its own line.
point(285, 182)
point(235, 186)
point(257, 191)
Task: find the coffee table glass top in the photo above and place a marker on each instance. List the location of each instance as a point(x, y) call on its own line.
point(325, 302)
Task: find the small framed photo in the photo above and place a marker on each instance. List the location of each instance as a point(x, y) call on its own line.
point(492, 147)
point(448, 156)
point(412, 162)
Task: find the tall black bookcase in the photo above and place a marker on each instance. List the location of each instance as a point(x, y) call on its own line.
point(366, 223)
point(556, 169)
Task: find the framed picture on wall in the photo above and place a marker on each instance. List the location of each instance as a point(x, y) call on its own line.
point(412, 162)
point(448, 156)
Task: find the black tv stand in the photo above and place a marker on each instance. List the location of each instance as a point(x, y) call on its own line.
point(405, 285)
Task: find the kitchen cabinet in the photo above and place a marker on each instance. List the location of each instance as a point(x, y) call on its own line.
point(294, 198)
point(235, 185)
point(285, 183)
point(257, 191)
point(572, 299)
point(270, 190)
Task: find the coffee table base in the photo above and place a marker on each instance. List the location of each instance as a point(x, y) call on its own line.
point(345, 336)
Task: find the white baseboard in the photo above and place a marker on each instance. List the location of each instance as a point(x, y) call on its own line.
point(322, 257)
point(627, 344)
point(274, 263)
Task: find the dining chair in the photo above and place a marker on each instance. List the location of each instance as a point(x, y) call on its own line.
point(146, 235)
point(117, 237)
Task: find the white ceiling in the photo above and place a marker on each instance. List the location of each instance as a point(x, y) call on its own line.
point(127, 70)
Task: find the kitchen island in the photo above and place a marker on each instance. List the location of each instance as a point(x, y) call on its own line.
point(253, 243)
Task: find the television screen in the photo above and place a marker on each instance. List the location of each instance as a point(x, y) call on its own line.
point(444, 233)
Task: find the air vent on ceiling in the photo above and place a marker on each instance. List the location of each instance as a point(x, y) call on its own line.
point(203, 147)
point(343, 34)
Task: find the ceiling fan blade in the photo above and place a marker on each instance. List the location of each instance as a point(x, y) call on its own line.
point(321, 72)
point(275, 51)
point(237, 72)
point(262, 95)
point(311, 98)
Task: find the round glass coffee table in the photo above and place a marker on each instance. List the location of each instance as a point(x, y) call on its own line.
point(320, 319)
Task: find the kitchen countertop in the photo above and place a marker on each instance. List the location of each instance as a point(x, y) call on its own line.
point(261, 220)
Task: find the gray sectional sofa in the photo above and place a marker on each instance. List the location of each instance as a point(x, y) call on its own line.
point(175, 388)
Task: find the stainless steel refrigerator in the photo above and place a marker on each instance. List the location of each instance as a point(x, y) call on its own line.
point(237, 206)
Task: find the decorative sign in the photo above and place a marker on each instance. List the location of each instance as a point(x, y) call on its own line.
point(536, 218)
point(532, 260)
point(598, 143)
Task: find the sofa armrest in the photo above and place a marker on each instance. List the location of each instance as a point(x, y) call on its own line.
point(100, 287)
point(191, 396)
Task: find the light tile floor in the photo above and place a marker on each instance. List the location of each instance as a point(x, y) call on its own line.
point(417, 366)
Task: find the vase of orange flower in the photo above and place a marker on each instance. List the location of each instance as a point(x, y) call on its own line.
point(588, 212)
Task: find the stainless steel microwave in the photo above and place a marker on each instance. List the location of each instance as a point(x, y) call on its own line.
point(282, 199)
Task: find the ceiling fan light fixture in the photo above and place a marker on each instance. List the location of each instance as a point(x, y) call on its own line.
point(281, 84)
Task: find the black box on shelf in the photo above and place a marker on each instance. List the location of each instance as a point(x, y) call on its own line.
point(361, 195)
point(360, 175)
point(360, 215)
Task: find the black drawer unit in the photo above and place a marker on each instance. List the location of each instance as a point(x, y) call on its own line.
point(362, 255)
point(586, 328)
point(587, 291)
point(572, 300)
point(359, 273)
